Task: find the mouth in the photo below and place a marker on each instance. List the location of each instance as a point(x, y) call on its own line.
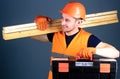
point(64, 26)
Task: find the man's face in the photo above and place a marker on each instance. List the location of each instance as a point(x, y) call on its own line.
point(68, 23)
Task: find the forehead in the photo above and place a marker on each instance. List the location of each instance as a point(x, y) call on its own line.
point(66, 16)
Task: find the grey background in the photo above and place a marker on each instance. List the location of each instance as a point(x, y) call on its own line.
point(29, 59)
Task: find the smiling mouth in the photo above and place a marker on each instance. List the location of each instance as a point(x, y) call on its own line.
point(64, 26)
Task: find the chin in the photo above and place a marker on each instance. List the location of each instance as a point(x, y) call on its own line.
point(64, 30)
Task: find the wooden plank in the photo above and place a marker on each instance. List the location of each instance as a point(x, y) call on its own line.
point(28, 33)
point(27, 30)
point(90, 17)
point(17, 28)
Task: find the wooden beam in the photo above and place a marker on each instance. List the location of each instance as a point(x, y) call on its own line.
point(30, 29)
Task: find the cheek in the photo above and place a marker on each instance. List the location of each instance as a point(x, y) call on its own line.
point(70, 25)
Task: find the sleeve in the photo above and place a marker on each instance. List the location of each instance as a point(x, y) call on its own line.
point(50, 36)
point(93, 41)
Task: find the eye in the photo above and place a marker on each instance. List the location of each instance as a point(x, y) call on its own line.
point(67, 20)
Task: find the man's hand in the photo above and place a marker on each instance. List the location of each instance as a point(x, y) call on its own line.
point(86, 53)
point(42, 22)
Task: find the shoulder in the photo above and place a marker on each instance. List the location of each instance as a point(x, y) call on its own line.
point(50, 36)
point(93, 41)
point(85, 32)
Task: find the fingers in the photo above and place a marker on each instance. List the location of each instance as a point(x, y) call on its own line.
point(84, 54)
point(41, 22)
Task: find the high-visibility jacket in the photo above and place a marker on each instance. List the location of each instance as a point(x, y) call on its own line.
point(59, 44)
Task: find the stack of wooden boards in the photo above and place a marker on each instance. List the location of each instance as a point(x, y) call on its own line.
point(30, 29)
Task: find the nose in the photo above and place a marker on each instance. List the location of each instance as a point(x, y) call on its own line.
point(62, 22)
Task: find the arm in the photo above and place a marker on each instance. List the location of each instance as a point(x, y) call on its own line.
point(96, 46)
point(106, 50)
point(42, 24)
point(42, 38)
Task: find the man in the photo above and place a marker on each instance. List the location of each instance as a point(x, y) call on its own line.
point(72, 40)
